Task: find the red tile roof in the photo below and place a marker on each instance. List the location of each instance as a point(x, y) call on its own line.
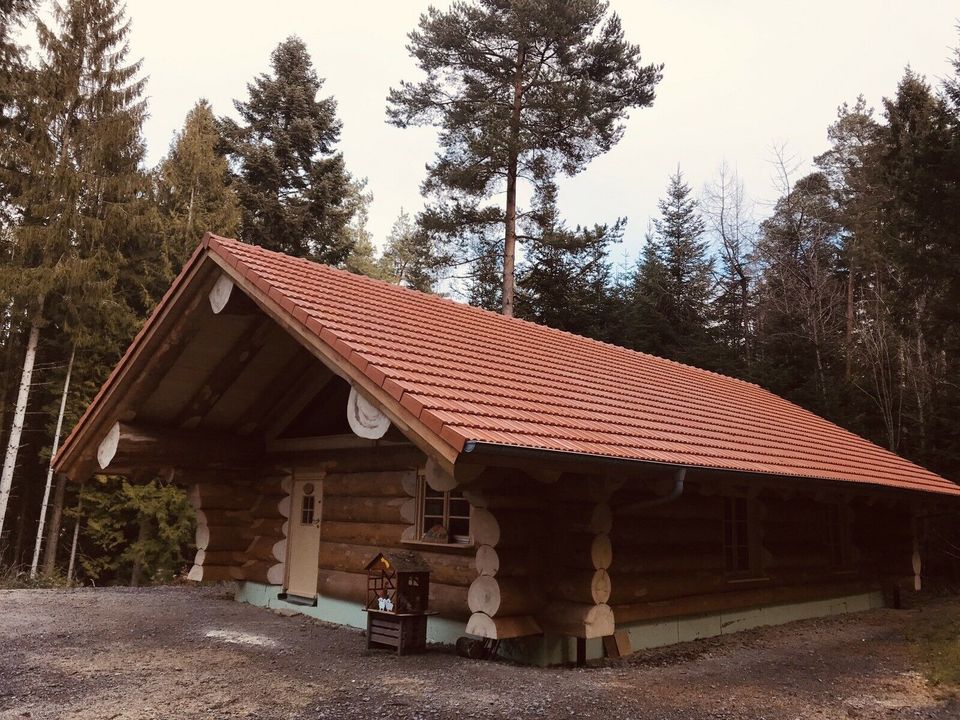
point(473, 375)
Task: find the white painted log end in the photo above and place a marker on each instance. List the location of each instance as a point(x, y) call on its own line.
point(365, 419)
point(107, 450)
point(220, 294)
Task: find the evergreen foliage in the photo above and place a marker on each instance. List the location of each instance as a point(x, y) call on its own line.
point(673, 283)
point(845, 299)
point(501, 78)
point(294, 191)
point(193, 191)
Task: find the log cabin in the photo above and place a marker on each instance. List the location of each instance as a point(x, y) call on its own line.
point(562, 491)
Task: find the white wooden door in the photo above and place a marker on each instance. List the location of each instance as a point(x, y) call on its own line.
point(303, 541)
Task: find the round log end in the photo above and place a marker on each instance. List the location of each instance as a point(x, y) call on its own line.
point(220, 294)
point(107, 449)
point(488, 561)
point(484, 595)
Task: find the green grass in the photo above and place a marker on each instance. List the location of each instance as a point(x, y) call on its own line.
point(934, 633)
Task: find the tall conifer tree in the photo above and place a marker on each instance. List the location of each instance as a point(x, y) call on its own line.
point(520, 90)
point(294, 190)
point(673, 284)
point(79, 188)
point(193, 192)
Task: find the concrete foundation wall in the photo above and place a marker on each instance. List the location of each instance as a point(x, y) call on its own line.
point(554, 649)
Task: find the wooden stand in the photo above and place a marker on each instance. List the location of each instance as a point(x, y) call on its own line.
point(406, 632)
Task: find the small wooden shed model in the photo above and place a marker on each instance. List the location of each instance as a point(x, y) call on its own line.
point(398, 593)
point(558, 489)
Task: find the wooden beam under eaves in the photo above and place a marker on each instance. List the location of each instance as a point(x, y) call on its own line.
point(224, 374)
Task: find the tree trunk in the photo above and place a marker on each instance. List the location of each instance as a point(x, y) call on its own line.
point(53, 454)
point(20, 412)
point(53, 532)
point(142, 536)
point(76, 534)
point(848, 371)
point(510, 220)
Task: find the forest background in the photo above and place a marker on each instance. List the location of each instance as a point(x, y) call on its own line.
point(843, 295)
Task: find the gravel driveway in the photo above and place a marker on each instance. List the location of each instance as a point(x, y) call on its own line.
point(193, 653)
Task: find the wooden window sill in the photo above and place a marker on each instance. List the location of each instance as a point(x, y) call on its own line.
point(747, 580)
point(442, 547)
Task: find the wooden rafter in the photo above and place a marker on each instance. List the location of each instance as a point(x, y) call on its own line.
point(224, 374)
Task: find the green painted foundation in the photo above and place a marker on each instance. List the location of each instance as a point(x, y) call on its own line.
point(557, 650)
point(340, 612)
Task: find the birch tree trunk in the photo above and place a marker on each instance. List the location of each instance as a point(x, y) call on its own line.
point(53, 454)
point(19, 413)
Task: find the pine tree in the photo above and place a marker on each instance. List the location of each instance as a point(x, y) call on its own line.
point(192, 185)
point(673, 283)
point(294, 190)
point(520, 90)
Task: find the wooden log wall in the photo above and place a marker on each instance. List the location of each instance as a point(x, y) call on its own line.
point(366, 511)
point(508, 529)
point(668, 559)
point(241, 526)
point(578, 556)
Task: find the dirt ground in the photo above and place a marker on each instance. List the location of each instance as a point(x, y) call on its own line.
point(194, 653)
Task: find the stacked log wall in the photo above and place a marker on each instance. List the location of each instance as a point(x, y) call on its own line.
point(668, 559)
point(508, 530)
point(241, 526)
point(368, 511)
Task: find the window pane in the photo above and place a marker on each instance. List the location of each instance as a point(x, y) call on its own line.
point(306, 510)
point(434, 508)
point(743, 558)
point(459, 528)
point(459, 507)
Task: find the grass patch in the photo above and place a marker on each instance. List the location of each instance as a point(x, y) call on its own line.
point(934, 633)
point(14, 578)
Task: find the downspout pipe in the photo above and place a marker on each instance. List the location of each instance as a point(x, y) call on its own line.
point(678, 478)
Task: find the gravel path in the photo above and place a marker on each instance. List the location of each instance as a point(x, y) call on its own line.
point(193, 653)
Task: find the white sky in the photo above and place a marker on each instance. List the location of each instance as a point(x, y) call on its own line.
point(740, 76)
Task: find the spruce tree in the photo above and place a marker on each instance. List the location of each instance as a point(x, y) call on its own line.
point(673, 283)
point(193, 191)
point(519, 90)
point(294, 190)
point(566, 279)
point(79, 191)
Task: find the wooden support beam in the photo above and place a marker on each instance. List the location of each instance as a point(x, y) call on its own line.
point(296, 398)
point(285, 377)
point(224, 374)
point(129, 447)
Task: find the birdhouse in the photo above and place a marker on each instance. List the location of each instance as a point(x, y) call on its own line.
point(398, 582)
point(398, 590)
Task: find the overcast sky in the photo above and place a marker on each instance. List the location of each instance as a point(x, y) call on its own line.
point(740, 77)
